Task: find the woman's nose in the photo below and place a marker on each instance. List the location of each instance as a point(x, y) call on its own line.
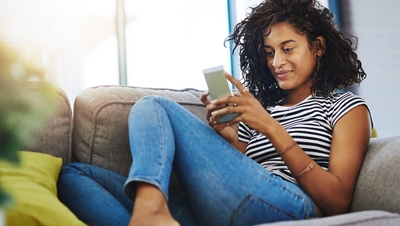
point(279, 60)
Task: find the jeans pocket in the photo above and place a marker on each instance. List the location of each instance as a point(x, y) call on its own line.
point(254, 210)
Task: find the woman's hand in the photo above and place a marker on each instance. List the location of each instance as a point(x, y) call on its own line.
point(228, 132)
point(249, 109)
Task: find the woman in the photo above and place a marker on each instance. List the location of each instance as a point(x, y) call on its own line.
point(293, 152)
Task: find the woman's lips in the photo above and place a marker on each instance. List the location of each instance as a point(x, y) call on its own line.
point(282, 74)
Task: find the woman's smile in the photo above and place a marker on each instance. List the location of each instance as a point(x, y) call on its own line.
point(282, 74)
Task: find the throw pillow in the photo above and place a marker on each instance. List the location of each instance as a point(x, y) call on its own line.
point(33, 187)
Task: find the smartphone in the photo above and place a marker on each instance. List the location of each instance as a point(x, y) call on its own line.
point(218, 86)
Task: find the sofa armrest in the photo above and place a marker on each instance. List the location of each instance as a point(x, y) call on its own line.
point(378, 184)
point(55, 137)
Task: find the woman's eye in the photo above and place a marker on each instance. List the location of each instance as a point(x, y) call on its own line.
point(269, 53)
point(287, 50)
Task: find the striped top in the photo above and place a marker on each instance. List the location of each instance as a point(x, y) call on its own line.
point(310, 123)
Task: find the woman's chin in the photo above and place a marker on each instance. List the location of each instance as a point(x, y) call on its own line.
point(285, 86)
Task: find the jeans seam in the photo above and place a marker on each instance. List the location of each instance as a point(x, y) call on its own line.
point(308, 202)
point(162, 145)
point(285, 188)
point(247, 198)
point(269, 177)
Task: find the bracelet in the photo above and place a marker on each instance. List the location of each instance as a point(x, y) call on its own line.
point(287, 148)
point(307, 169)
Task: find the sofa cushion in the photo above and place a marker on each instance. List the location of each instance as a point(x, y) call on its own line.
point(32, 186)
point(100, 135)
point(365, 218)
point(55, 137)
point(378, 184)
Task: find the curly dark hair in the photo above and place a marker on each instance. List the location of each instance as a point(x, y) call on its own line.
point(337, 68)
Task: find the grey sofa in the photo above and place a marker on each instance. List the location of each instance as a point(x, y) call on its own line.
point(95, 132)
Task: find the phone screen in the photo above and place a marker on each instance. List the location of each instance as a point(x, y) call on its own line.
point(218, 86)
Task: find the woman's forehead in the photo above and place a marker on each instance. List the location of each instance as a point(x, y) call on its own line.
point(280, 32)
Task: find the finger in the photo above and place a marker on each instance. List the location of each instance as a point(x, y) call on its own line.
point(212, 122)
point(212, 107)
point(204, 98)
point(235, 120)
point(236, 110)
point(208, 111)
point(215, 118)
point(216, 115)
point(235, 82)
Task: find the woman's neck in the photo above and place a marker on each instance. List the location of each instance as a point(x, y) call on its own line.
point(296, 96)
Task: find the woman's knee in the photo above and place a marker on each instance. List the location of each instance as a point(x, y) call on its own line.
point(153, 98)
point(76, 166)
point(150, 98)
point(75, 169)
point(148, 104)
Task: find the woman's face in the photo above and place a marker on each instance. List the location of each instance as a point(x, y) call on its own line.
point(289, 58)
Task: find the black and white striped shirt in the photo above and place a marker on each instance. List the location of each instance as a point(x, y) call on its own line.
point(310, 123)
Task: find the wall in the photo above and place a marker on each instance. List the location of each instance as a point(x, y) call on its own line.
point(377, 25)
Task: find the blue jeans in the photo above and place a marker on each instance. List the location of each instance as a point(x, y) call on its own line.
point(96, 197)
point(224, 187)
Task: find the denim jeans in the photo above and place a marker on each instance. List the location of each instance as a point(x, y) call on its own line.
point(224, 187)
point(95, 195)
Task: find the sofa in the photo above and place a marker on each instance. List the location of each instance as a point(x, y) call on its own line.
point(94, 131)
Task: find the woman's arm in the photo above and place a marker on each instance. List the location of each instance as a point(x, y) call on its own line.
point(331, 190)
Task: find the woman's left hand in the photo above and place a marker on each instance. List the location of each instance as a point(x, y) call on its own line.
point(249, 109)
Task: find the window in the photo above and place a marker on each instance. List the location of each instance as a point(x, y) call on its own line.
point(74, 41)
point(169, 43)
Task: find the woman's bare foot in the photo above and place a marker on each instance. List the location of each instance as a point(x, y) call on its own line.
point(150, 207)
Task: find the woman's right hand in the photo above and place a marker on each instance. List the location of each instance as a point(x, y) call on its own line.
point(229, 133)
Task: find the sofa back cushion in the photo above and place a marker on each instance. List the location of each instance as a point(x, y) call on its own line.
point(100, 135)
point(55, 137)
point(379, 180)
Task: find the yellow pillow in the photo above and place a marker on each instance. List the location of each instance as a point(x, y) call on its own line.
point(33, 187)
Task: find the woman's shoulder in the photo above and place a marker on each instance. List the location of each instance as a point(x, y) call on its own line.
point(338, 103)
point(340, 97)
point(347, 98)
point(343, 94)
point(341, 103)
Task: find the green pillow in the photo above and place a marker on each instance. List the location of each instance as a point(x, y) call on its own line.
point(33, 187)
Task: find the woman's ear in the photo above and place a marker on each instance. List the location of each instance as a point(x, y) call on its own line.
point(320, 46)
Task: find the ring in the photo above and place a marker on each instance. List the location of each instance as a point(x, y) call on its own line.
point(235, 104)
point(245, 90)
